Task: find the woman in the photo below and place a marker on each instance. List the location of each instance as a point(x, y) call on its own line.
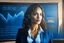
point(34, 28)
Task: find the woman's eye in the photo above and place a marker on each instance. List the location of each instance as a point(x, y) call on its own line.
point(34, 14)
point(40, 14)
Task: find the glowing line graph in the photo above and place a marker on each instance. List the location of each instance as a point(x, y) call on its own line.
point(9, 17)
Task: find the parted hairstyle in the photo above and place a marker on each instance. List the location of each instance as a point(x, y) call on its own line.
point(27, 20)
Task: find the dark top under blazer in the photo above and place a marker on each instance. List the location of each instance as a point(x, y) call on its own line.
point(23, 33)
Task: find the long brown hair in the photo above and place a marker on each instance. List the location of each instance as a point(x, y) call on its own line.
point(27, 20)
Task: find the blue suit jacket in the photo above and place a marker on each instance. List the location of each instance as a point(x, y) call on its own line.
point(22, 34)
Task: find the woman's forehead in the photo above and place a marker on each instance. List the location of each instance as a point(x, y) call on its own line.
point(37, 10)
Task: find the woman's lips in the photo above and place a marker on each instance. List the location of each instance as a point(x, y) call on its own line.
point(38, 20)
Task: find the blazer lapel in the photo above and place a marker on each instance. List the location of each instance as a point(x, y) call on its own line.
point(42, 36)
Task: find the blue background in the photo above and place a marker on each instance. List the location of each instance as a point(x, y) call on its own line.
point(11, 18)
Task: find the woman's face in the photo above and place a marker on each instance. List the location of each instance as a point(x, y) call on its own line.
point(36, 16)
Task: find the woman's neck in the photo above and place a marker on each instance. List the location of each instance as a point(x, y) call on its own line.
point(34, 30)
point(34, 27)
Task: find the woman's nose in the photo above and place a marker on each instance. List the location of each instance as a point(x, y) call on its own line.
point(38, 16)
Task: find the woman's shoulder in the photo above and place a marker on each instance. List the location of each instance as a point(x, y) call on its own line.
point(22, 31)
point(49, 32)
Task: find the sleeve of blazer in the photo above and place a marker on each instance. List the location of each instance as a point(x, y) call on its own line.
point(18, 37)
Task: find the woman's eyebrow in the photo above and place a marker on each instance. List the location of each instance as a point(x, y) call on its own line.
point(37, 13)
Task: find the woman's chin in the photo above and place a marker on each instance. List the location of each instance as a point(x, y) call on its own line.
point(38, 22)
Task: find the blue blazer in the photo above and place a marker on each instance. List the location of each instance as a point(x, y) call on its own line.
point(46, 37)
